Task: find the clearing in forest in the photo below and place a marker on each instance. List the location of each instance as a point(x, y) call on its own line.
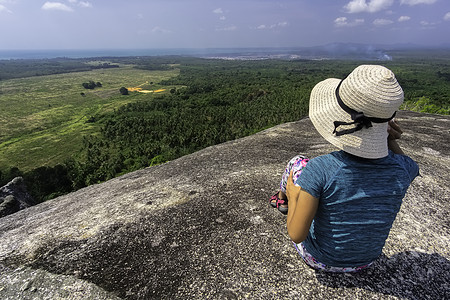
point(140, 88)
point(44, 118)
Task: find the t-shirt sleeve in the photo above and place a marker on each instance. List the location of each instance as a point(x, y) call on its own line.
point(411, 167)
point(312, 178)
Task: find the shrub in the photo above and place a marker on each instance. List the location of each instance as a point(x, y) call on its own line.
point(123, 91)
point(91, 85)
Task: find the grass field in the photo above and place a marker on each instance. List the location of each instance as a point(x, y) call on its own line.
point(43, 119)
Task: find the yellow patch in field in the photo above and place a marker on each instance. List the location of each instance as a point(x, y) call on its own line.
point(134, 89)
point(140, 90)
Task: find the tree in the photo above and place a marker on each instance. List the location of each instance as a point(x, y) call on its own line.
point(91, 85)
point(123, 91)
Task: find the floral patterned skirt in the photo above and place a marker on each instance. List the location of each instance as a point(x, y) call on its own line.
point(296, 165)
point(315, 264)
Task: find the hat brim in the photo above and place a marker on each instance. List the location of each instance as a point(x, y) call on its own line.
point(324, 110)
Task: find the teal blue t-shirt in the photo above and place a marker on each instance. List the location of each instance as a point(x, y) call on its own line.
point(358, 202)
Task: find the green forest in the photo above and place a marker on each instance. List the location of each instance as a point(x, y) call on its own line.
point(209, 102)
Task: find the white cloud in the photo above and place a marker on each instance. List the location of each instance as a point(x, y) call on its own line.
point(219, 11)
point(339, 22)
point(229, 28)
point(371, 6)
point(85, 4)
point(273, 26)
point(447, 16)
point(358, 22)
point(382, 22)
point(404, 18)
point(428, 25)
point(415, 2)
point(4, 9)
point(343, 22)
point(56, 6)
point(158, 29)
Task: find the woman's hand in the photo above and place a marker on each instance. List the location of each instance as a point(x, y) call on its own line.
point(394, 130)
point(292, 190)
point(395, 133)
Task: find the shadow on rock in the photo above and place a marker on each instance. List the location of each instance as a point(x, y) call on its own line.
point(409, 275)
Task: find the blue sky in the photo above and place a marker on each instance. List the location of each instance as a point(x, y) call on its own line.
point(106, 24)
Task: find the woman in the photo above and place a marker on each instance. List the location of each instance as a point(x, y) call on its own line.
point(342, 205)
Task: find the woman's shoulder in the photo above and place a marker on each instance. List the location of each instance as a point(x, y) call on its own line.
point(335, 156)
point(319, 171)
point(327, 163)
point(407, 163)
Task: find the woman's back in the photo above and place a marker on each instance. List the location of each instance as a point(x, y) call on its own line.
point(358, 202)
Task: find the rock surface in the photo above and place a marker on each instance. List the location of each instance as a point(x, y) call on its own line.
point(14, 197)
point(201, 227)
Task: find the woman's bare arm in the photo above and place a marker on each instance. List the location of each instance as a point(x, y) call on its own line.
point(302, 209)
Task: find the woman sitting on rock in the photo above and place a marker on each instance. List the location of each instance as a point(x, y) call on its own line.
point(342, 205)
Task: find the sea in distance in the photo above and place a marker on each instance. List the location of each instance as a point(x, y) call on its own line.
point(87, 53)
point(330, 51)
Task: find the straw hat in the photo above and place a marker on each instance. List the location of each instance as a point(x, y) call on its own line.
point(352, 113)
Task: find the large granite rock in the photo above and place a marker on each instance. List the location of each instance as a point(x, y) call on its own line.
point(200, 227)
point(14, 197)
